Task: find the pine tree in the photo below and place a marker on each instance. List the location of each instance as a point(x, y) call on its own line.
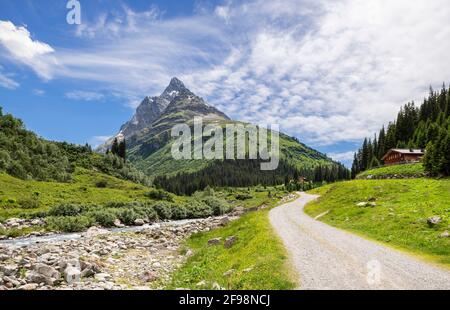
point(115, 147)
point(122, 150)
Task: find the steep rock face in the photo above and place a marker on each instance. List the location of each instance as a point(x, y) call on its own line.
point(151, 109)
point(175, 105)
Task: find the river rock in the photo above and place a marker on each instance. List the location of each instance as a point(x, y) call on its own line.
point(12, 281)
point(150, 276)
point(139, 222)
point(214, 241)
point(118, 223)
point(230, 241)
point(28, 287)
point(34, 277)
point(95, 231)
point(72, 275)
point(434, 220)
point(9, 270)
point(47, 271)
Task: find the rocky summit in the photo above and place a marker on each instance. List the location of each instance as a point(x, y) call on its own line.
point(153, 112)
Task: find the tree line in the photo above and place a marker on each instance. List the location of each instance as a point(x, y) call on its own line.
point(425, 127)
point(244, 173)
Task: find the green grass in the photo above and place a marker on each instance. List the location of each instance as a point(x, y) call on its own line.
point(399, 217)
point(14, 193)
point(257, 247)
point(408, 170)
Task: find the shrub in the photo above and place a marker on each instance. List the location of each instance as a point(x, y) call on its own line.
point(179, 212)
point(164, 210)
point(146, 211)
point(68, 210)
point(29, 203)
point(127, 216)
point(101, 184)
point(218, 206)
point(159, 194)
point(69, 223)
point(198, 209)
point(243, 196)
point(104, 217)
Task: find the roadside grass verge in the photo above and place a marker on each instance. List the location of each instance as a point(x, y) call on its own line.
point(399, 217)
point(258, 257)
point(407, 170)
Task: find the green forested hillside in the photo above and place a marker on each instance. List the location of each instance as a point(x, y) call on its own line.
point(26, 156)
point(425, 127)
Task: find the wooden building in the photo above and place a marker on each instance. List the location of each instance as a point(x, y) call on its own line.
point(403, 156)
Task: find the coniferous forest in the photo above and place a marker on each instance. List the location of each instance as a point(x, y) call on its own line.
point(243, 173)
point(425, 127)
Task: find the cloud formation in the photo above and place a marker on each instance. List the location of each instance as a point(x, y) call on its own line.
point(84, 95)
point(21, 48)
point(327, 71)
point(7, 82)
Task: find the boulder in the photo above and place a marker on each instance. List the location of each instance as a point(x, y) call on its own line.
point(214, 241)
point(95, 231)
point(89, 270)
point(9, 270)
point(28, 287)
point(229, 273)
point(34, 277)
point(150, 276)
point(139, 222)
point(47, 271)
point(11, 282)
point(230, 241)
point(72, 275)
point(102, 277)
point(434, 220)
point(118, 223)
point(445, 234)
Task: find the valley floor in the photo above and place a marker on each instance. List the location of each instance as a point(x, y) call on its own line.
point(329, 258)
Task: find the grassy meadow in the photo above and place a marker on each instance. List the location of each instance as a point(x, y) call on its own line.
point(399, 217)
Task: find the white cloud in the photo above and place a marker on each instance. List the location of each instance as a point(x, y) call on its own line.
point(22, 48)
point(38, 92)
point(7, 82)
point(327, 71)
point(84, 95)
point(344, 156)
point(98, 140)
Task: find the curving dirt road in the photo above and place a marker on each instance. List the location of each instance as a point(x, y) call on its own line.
point(329, 258)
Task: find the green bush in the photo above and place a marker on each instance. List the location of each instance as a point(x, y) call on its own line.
point(164, 210)
point(145, 211)
point(159, 194)
point(127, 216)
point(29, 203)
point(68, 210)
point(101, 184)
point(218, 206)
point(69, 223)
point(104, 217)
point(243, 196)
point(198, 209)
point(179, 212)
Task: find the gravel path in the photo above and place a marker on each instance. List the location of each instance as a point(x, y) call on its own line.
point(329, 258)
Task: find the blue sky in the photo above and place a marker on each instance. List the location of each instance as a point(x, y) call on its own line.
point(329, 72)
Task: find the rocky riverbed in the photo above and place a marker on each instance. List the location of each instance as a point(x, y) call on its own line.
point(102, 259)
